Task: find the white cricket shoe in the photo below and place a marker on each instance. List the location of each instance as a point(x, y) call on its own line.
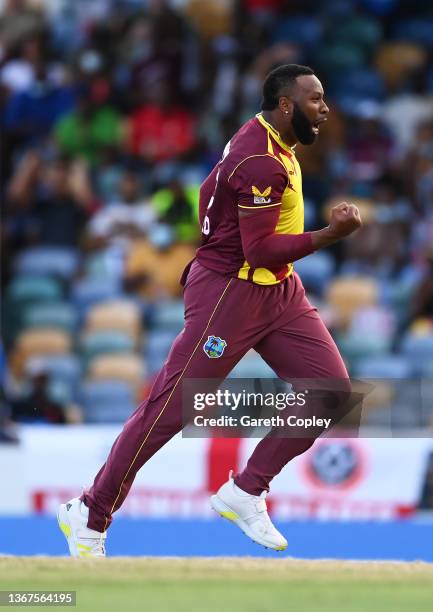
point(249, 512)
point(83, 542)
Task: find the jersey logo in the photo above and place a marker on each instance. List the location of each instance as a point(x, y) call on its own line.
point(214, 347)
point(261, 197)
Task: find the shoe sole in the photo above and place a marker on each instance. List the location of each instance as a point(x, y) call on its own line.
point(226, 512)
point(66, 529)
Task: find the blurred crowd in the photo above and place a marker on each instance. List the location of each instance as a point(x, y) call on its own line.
point(114, 111)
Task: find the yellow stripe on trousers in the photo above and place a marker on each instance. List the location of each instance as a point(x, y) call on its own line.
point(168, 399)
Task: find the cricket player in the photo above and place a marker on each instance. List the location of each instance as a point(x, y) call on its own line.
point(241, 292)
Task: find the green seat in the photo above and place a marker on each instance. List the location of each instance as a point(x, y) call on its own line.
point(357, 348)
point(340, 57)
point(360, 32)
point(55, 314)
point(103, 342)
point(33, 289)
point(22, 292)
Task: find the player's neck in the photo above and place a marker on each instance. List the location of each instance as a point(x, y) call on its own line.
point(286, 134)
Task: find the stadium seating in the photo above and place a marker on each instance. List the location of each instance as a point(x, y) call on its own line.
point(384, 366)
point(316, 270)
point(61, 315)
point(105, 342)
point(419, 351)
point(127, 367)
point(107, 401)
point(64, 367)
point(120, 315)
point(23, 292)
point(41, 341)
point(360, 84)
point(157, 346)
point(370, 332)
point(44, 341)
point(60, 262)
point(89, 291)
point(298, 30)
point(340, 58)
point(395, 60)
point(348, 293)
point(169, 315)
point(28, 289)
point(418, 31)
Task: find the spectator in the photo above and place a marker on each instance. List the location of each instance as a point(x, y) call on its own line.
point(85, 132)
point(38, 404)
point(18, 22)
point(153, 266)
point(369, 147)
point(177, 205)
point(120, 222)
point(114, 112)
point(31, 113)
point(161, 130)
point(48, 204)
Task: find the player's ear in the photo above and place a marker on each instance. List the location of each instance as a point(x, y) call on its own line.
point(286, 106)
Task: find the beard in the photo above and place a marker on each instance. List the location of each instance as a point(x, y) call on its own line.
point(302, 126)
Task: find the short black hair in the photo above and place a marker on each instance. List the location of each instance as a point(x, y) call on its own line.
point(278, 79)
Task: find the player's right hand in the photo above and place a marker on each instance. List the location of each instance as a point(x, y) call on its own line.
point(345, 219)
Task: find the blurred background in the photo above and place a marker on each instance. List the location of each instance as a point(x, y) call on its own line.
point(112, 112)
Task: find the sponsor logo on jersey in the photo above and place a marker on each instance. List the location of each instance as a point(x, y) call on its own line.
point(261, 197)
point(214, 347)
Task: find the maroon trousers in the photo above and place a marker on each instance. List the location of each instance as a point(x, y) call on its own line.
point(277, 321)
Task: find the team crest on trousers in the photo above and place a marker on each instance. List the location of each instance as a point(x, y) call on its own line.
point(214, 347)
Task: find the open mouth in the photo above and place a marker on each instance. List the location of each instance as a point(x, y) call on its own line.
point(316, 126)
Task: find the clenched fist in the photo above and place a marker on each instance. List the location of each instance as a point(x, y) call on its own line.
point(345, 219)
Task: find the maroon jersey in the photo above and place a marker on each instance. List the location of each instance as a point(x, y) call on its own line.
point(257, 171)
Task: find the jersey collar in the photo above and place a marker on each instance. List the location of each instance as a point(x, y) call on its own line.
point(275, 133)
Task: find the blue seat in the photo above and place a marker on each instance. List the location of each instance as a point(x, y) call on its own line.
point(419, 351)
point(110, 412)
point(53, 314)
point(107, 401)
point(384, 366)
point(298, 30)
point(339, 57)
point(316, 270)
point(56, 261)
point(102, 342)
point(157, 347)
point(168, 315)
point(25, 289)
point(89, 291)
point(360, 83)
point(65, 367)
point(418, 31)
point(356, 348)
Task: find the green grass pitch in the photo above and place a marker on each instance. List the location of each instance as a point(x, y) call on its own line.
point(226, 584)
